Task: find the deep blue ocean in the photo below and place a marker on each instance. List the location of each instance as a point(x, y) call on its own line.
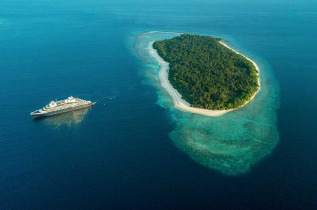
point(124, 152)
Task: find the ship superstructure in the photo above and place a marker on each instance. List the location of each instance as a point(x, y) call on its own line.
point(58, 107)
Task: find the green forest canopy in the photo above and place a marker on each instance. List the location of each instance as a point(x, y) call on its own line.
point(207, 74)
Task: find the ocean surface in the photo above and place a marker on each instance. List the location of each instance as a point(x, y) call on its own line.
point(133, 149)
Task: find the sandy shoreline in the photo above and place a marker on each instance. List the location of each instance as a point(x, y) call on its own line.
point(177, 97)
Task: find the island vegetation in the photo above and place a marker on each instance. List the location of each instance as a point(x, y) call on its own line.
point(207, 74)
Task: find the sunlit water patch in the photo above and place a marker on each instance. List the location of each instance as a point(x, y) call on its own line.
point(231, 143)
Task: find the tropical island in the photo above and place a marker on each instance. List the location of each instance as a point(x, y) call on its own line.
point(204, 74)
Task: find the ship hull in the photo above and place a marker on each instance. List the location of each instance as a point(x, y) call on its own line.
point(61, 111)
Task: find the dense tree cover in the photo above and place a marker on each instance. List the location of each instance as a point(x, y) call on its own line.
point(206, 73)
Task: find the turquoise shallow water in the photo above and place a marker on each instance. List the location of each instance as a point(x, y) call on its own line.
point(231, 143)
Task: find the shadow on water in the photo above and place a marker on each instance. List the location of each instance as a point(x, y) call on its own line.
point(67, 119)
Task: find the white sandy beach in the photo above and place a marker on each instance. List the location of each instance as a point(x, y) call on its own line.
point(177, 97)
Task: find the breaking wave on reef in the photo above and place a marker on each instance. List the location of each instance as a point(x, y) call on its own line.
point(231, 143)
